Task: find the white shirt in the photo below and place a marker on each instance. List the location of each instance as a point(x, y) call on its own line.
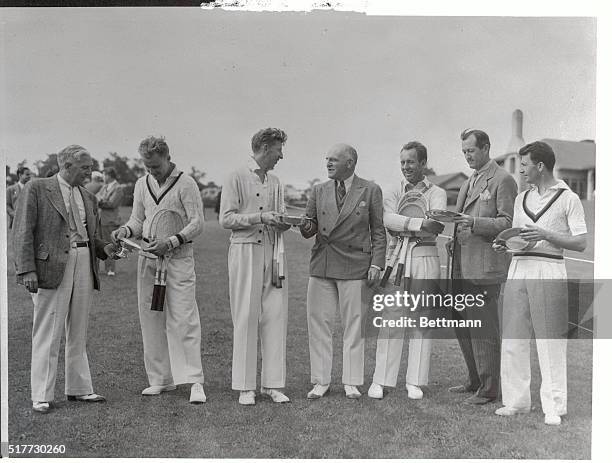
point(434, 196)
point(181, 195)
point(565, 216)
point(65, 188)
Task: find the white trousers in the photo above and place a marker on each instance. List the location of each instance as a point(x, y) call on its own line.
point(533, 302)
point(325, 296)
point(391, 340)
point(259, 310)
point(171, 339)
point(67, 307)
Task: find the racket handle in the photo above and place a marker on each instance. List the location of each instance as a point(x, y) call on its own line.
point(159, 297)
point(399, 275)
point(385, 278)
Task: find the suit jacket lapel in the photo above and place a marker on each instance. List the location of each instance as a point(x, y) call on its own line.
point(462, 195)
point(481, 184)
point(351, 199)
point(89, 216)
point(330, 206)
point(56, 198)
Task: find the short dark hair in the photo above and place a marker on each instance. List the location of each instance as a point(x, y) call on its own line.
point(21, 170)
point(540, 152)
point(481, 137)
point(420, 149)
point(110, 171)
point(267, 137)
point(154, 145)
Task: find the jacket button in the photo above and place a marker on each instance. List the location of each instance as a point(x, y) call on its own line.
point(323, 212)
point(259, 241)
point(357, 213)
point(257, 194)
point(260, 231)
point(261, 208)
point(65, 252)
point(324, 229)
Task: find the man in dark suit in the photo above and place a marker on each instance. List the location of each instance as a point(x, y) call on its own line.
point(55, 257)
point(13, 192)
point(486, 204)
point(347, 214)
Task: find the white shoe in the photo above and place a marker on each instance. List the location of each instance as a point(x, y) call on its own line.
point(351, 392)
point(247, 398)
point(552, 420)
point(510, 411)
point(375, 391)
point(157, 390)
point(41, 407)
point(276, 395)
point(318, 391)
point(197, 394)
point(414, 392)
point(110, 273)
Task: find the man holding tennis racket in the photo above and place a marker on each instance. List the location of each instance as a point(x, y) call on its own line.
point(167, 215)
point(251, 206)
point(404, 217)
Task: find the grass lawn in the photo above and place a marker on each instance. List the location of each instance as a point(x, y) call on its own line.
point(130, 425)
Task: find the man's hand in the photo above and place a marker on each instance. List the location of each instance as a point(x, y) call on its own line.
point(432, 226)
point(30, 281)
point(306, 225)
point(271, 218)
point(449, 247)
point(533, 233)
point(281, 227)
point(158, 248)
point(112, 250)
point(499, 247)
point(464, 220)
point(373, 273)
point(116, 235)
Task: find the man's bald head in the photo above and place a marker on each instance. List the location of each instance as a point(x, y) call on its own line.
point(341, 161)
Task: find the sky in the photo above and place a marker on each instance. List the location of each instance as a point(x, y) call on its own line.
point(208, 80)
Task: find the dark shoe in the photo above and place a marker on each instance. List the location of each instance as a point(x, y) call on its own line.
point(86, 398)
point(461, 389)
point(476, 400)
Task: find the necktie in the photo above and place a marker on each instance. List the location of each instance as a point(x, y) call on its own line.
point(341, 190)
point(75, 217)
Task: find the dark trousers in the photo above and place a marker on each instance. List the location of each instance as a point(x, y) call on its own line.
point(480, 345)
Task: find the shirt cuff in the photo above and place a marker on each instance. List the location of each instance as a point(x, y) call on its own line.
point(254, 218)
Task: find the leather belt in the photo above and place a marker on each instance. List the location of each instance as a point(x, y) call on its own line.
point(79, 244)
point(537, 254)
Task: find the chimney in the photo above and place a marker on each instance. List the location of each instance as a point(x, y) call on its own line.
point(516, 141)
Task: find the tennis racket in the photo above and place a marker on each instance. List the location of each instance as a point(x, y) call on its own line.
point(164, 224)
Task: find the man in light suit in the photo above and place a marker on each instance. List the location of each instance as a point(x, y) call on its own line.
point(13, 192)
point(350, 245)
point(55, 256)
point(486, 204)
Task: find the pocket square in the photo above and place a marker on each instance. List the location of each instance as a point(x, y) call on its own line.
point(362, 204)
point(485, 195)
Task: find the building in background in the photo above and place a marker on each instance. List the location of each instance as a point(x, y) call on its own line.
point(450, 183)
point(575, 160)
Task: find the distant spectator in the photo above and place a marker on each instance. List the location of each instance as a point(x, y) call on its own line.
point(13, 192)
point(97, 181)
point(109, 200)
point(218, 204)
